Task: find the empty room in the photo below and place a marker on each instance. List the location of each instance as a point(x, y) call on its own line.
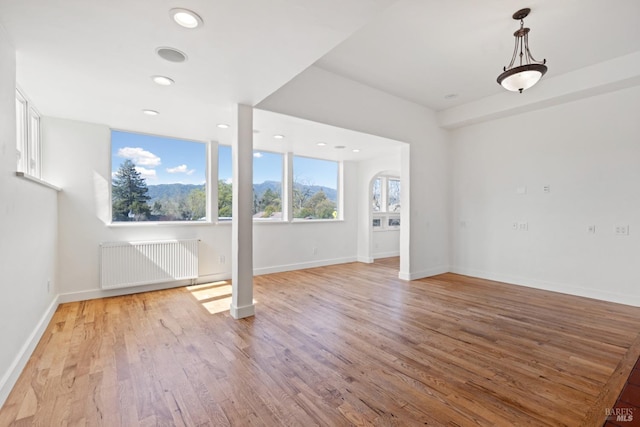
point(364, 212)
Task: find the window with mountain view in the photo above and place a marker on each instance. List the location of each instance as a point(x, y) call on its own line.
point(315, 188)
point(267, 185)
point(157, 178)
point(225, 190)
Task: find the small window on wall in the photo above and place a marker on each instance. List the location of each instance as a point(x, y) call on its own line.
point(376, 195)
point(393, 195)
point(385, 192)
point(315, 189)
point(267, 185)
point(27, 137)
point(225, 189)
point(157, 178)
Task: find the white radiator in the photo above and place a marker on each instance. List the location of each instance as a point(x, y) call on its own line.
point(125, 264)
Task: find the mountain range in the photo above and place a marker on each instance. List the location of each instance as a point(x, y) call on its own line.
point(178, 191)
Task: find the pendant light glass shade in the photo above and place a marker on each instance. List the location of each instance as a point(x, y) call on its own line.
point(526, 72)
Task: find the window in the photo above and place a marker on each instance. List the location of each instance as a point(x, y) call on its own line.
point(385, 195)
point(393, 195)
point(27, 137)
point(225, 190)
point(315, 188)
point(377, 195)
point(157, 178)
point(267, 185)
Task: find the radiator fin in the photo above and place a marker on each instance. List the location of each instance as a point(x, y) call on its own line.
point(126, 264)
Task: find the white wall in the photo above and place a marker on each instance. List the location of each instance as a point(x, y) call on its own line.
point(80, 163)
point(28, 234)
point(588, 152)
point(303, 244)
point(325, 97)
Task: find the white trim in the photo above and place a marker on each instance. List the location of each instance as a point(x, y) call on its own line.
point(13, 373)
point(37, 180)
point(364, 259)
point(105, 293)
point(242, 312)
point(550, 286)
point(378, 255)
point(424, 273)
point(302, 265)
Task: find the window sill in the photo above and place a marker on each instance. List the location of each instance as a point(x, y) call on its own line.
point(37, 181)
point(158, 223)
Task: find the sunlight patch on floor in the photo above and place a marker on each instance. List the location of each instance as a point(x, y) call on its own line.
point(214, 296)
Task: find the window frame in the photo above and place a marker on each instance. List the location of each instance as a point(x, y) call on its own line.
point(207, 186)
point(283, 199)
point(339, 190)
point(389, 220)
point(28, 137)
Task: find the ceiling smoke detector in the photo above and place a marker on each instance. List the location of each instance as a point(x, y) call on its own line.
point(171, 54)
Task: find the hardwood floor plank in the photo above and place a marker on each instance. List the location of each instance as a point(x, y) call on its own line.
point(342, 345)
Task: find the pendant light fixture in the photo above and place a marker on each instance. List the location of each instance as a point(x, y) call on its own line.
point(523, 71)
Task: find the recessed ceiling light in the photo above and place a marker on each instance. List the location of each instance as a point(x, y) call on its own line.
point(321, 144)
point(162, 80)
point(223, 126)
point(340, 147)
point(186, 18)
point(278, 136)
point(355, 150)
point(150, 112)
point(171, 54)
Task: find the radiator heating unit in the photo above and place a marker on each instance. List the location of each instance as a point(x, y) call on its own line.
point(127, 264)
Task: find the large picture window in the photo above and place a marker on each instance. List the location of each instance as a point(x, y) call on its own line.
point(267, 185)
point(157, 178)
point(315, 188)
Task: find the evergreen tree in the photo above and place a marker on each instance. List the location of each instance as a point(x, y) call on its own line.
point(129, 194)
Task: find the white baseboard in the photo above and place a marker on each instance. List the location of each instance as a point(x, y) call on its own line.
point(365, 259)
point(551, 286)
point(386, 254)
point(434, 271)
point(104, 293)
point(302, 265)
point(11, 376)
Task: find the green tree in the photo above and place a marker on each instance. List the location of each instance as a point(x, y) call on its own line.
point(225, 199)
point(320, 206)
point(129, 194)
point(196, 205)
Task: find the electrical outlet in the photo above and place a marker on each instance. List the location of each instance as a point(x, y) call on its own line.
point(622, 230)
point(315, 251)
point(222, 259)
point(523, 226)
point(48, 286)
point(546, 189)
point(592, 229)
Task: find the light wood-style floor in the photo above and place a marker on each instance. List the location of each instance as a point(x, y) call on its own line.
point(331, 346)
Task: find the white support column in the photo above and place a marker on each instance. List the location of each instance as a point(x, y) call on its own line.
point(242, 224)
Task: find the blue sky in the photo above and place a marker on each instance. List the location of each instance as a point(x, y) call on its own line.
point(162, 160)
point(268, 167)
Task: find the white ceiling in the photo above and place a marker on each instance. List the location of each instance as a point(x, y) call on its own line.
point(92, 60)
point(423, 50)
